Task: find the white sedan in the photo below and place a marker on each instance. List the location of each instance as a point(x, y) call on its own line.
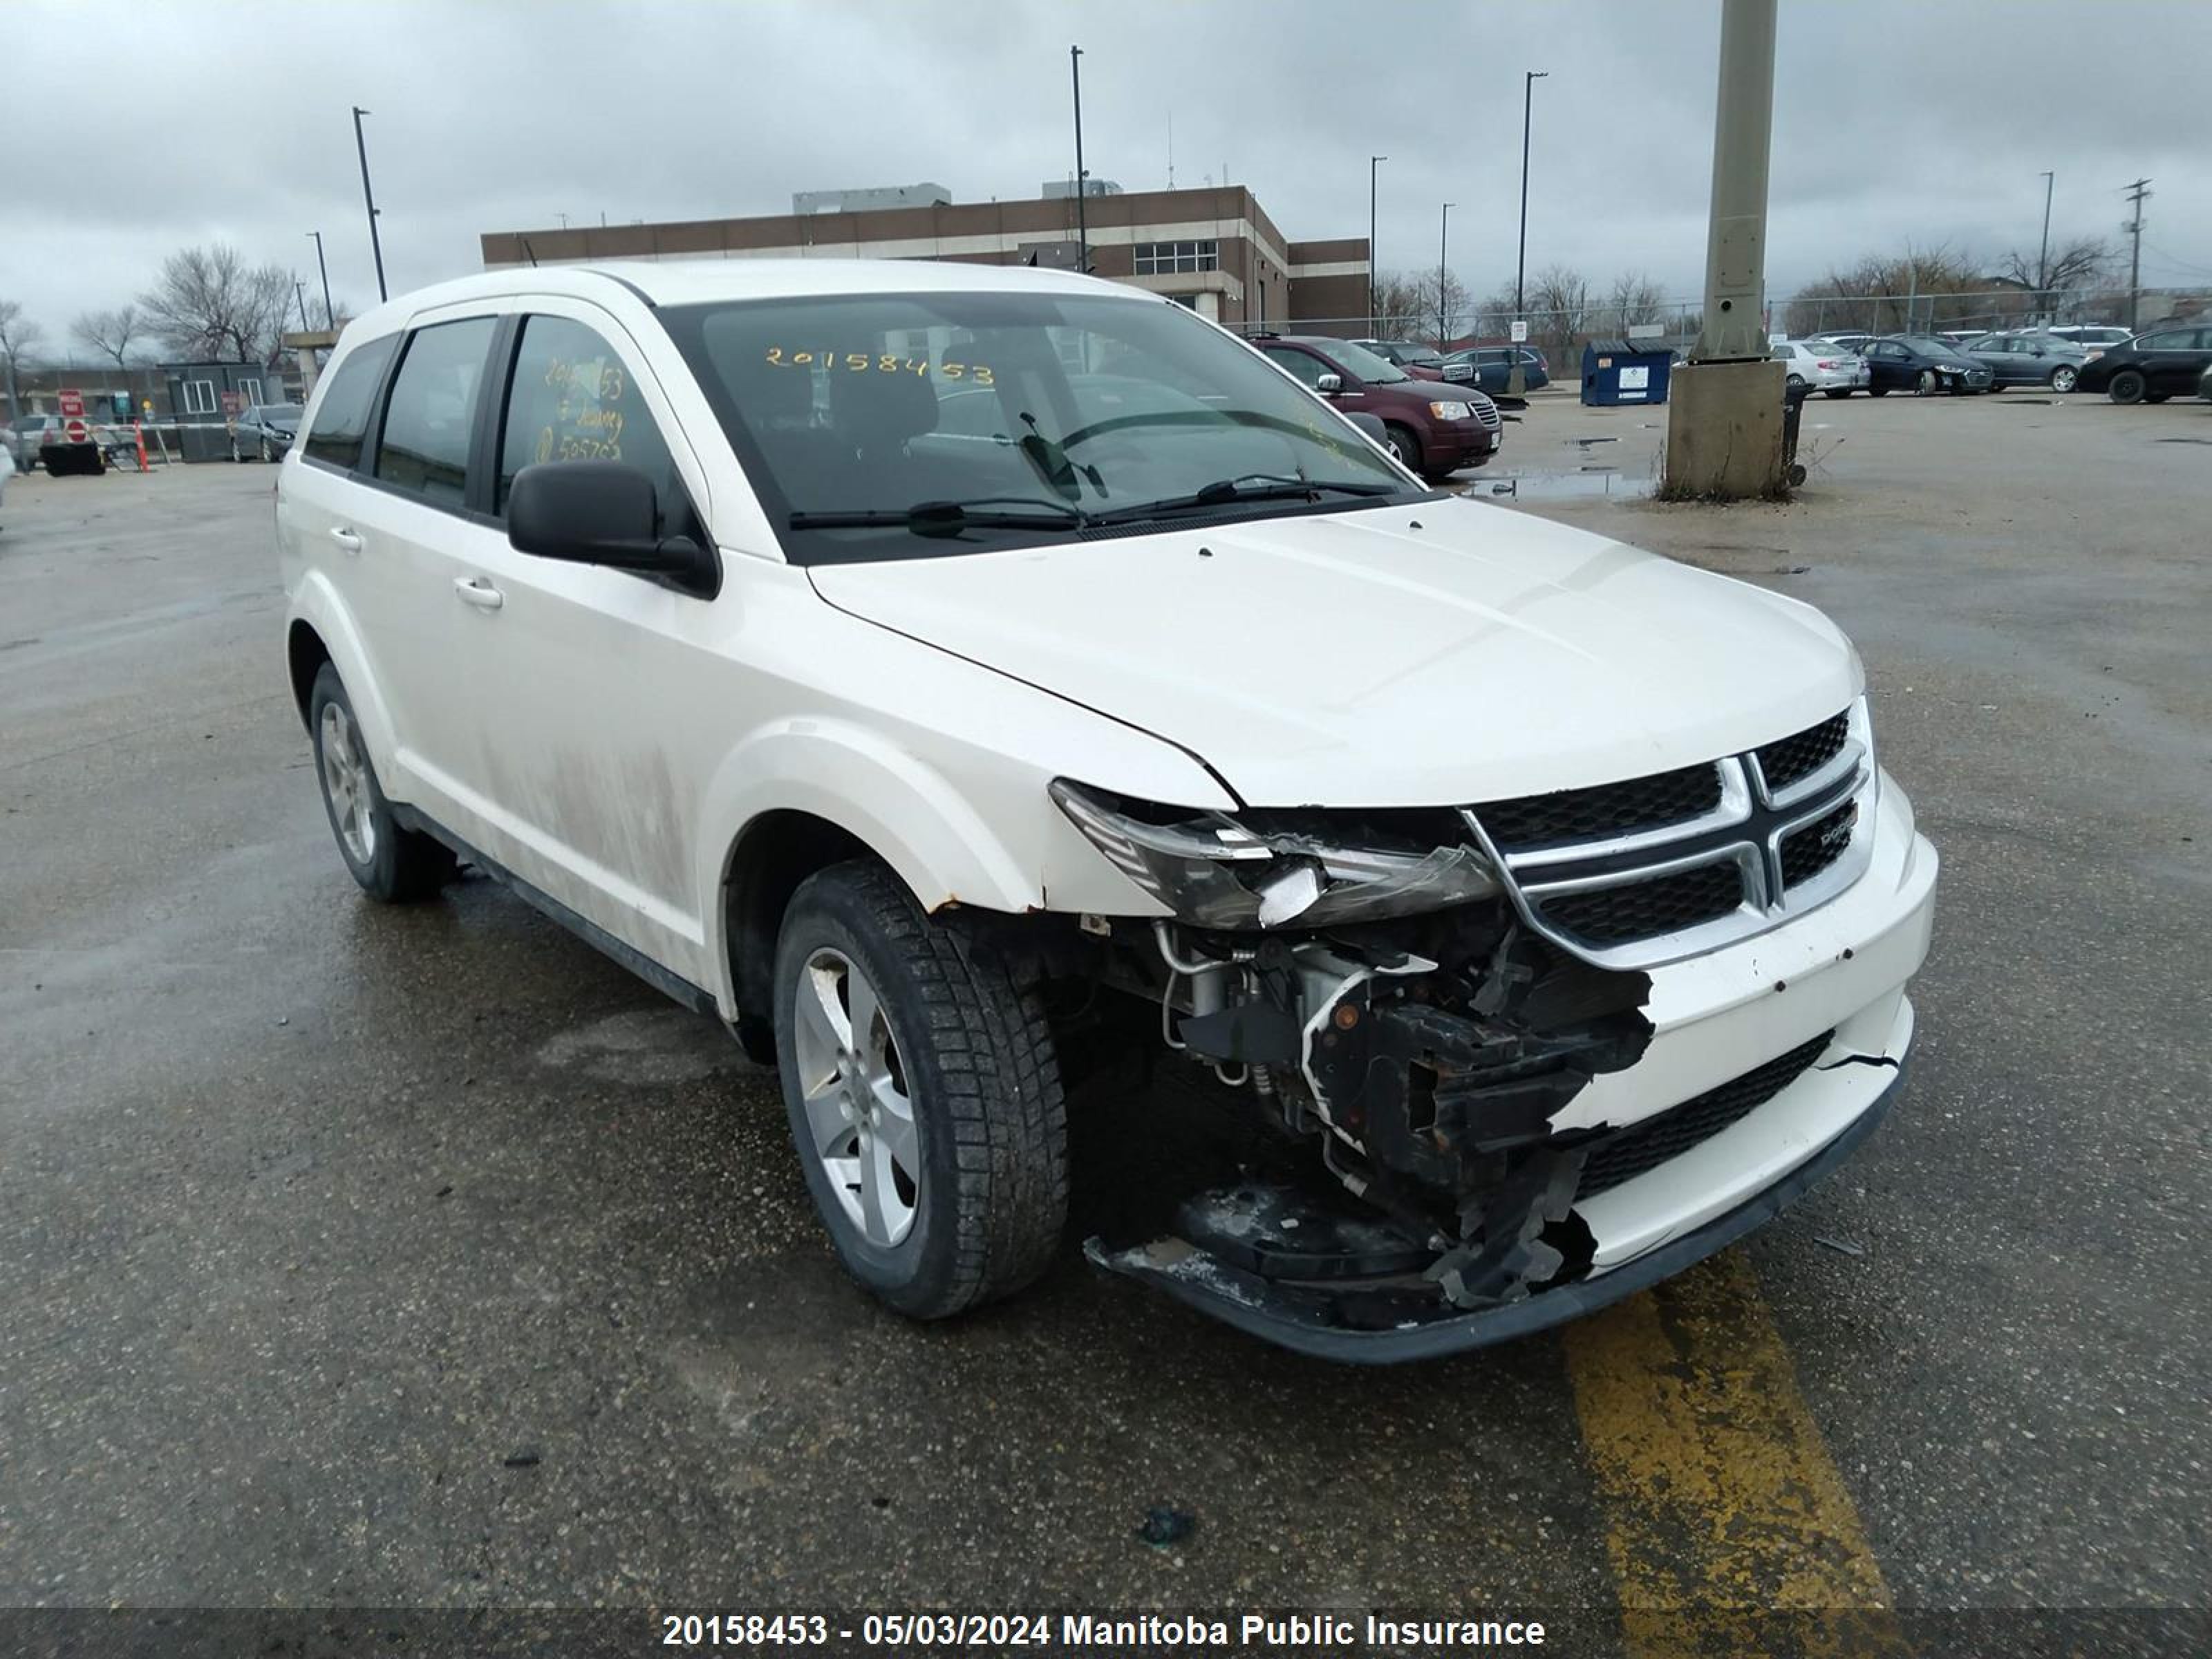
point(1823, 366)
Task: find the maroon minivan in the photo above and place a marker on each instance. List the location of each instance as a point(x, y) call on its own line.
point(1435, 426)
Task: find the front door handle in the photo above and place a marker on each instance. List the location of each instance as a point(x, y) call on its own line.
point(479, 593)
point(347, 540)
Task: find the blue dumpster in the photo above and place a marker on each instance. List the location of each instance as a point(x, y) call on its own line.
point(1621, 371)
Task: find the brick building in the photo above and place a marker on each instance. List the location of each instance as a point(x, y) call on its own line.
point(1213, 249)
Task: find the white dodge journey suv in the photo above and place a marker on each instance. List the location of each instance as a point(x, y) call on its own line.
point(933, 670)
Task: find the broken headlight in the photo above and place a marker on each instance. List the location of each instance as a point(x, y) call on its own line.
point(1272, 869)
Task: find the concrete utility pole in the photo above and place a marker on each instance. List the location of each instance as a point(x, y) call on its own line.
point(2138, 192)
point(375, 244)
point(2043, 257)
point(1444, 310)
point(1082, 222)
point(1371, 162)
point(1724, 418)
point(330, 317)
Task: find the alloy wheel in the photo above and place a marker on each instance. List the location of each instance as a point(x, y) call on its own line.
point(2062, 378)
point(859, 1116)
point(345, 780)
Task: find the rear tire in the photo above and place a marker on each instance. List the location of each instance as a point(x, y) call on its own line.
point(934, 1141)
point(1877, 391)
point(2128, 387)
point(2062, 377)
point(392, 864)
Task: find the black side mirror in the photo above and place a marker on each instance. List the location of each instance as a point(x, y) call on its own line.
point(600, 512)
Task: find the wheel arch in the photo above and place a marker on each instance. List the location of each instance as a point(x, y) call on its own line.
point(319, 630)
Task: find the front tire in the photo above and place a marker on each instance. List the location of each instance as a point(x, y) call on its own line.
point(1877, 391)
point(1795, 382)
point(2062, 377)
point(1924, 385)
point(265, 455)
point(2128, 387)
point(924, 1094)
point(1837, 392)
point(1405, 448)
point(392, 864)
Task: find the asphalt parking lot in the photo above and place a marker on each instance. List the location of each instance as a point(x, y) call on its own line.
point(422, 1256)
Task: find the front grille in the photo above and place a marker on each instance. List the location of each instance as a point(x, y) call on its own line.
point(1610, 808)
point(1784, 762)
point(1485, 411)
point(1643, 1147)
point(1807, 852)
point(1645, 909)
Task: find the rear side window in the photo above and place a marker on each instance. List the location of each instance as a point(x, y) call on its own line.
point(430, 416)
point(572, 399)
point(342, 420)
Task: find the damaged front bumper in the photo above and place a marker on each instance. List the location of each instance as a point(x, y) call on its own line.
point(1765, 1064)
point(1402, 1325)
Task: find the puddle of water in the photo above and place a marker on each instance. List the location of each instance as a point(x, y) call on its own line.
point(1591, 483)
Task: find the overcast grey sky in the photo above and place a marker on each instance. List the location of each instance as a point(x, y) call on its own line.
point(134, 130)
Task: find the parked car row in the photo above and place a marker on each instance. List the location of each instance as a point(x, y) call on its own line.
point(2161, 363)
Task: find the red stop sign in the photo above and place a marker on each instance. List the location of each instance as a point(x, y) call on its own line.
point(76, 432)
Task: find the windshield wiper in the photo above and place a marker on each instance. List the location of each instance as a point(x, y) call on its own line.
point(950, 518)
point(1252, 487)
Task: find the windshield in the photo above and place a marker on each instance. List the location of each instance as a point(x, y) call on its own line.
point(1418, 353)
point(951, 422)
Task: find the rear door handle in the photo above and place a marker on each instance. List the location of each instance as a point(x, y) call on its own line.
point(479, 593)
point(347, 540)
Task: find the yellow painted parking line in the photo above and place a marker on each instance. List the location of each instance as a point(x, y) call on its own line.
point(1720, 1499)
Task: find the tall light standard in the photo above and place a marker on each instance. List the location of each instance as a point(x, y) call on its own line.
point(375, 244)
point(330, 318)
point(1082, 226)
point(1373, 161)
point(1444, 310)
point(1516, 381)
point(2043, 259)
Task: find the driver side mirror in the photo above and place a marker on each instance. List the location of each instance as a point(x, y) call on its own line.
point(1329, 385)
point(601, 513)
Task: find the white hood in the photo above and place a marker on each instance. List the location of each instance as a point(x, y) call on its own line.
point(1354, 661)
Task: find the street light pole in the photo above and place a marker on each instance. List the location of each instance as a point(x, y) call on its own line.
point(330, 317)
point(1082, 224)
point(375, 243)
point(1517, 378)
point(1527, 102)
point(1371, 162)
point(300, 293)
point(2043, 259)
point(1443, 243)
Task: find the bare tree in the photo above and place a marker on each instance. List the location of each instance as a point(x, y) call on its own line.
point(19, 338)
point(1559, 306)
point(110, 332)
point(208, 303)
point(2082, 262)
point(1633, 299)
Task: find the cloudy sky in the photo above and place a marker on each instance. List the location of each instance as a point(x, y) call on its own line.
point(138, 129)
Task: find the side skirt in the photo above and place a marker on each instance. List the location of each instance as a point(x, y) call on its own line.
point(696, 997)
